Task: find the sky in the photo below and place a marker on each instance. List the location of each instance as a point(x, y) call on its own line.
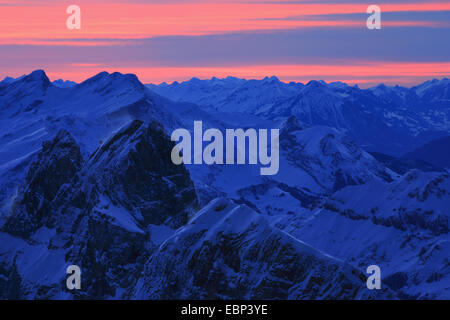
point(175, 40)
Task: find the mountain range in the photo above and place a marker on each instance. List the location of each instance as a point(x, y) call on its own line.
point(389, 120)
point(86, 179)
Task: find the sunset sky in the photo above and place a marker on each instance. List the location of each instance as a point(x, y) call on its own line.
point(170, 40)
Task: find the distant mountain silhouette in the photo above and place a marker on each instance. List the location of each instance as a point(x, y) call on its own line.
point(86, 178)
point(402, 165)
point(436, 152)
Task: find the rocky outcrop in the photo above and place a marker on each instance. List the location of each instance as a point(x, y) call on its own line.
point(329, 156)
point(229, 251)
point(96, 212)
point(57, 164)
point(135, 171)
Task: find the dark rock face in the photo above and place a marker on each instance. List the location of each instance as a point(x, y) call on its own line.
point(97, 211)
point(111, 257)
point(57, 164)
point(229, 251)
point(99, 214)
point(10, 283)
point(135, 171)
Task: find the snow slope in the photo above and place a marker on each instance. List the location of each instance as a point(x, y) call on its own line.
point(86, 178)
point(229, 251)
point(383, 119)
point(401, 226)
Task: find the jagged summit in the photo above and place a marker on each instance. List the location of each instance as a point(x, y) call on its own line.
point(271, 79)
point(115, 78)
point(103, 193)
point(57, 163)
point(60, 83)
point(37, 76)
point(316, 83)
point(382, 87)
point(229, 251)
point(7, 80)
point(132, 160)
point(291, 124)
point(25, 94)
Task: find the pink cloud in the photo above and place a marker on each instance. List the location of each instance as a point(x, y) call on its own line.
point(30, 23)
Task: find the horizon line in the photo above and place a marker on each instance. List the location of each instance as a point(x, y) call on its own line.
point(211, 78)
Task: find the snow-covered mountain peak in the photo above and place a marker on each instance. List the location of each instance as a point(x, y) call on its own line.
point(116, 79)
point(233, 249)
point(272, 79)
point(37, 75)
point(316, 88)
point(104, 194)
point(138, 156)
point(6, 81)
point(60, 83)
point(331, 157)
point(56, 165)
point(36, 79)
point(316, 83)
point(26, 93)
point(433, 89)
point(382, 118)
point(339, 85)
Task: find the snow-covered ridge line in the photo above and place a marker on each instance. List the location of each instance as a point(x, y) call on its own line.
point(86, 178)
